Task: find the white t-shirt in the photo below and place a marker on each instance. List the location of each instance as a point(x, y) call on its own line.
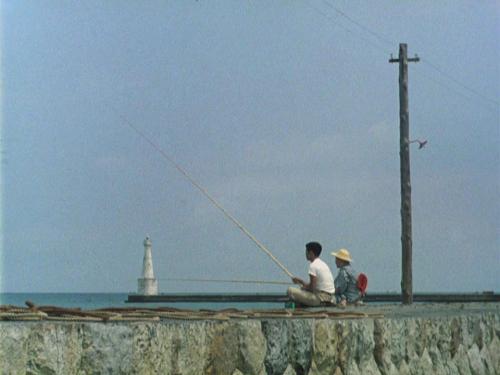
point(324, 277)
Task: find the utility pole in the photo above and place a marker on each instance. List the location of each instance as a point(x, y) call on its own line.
point(404, 155)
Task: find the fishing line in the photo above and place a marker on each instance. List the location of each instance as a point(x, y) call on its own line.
point(229, 281)
point(204, 192)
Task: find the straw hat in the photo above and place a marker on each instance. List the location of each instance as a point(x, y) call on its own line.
point(342, 254)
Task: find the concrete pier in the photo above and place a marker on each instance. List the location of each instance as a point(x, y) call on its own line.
point(282, 297)
point(417, 339)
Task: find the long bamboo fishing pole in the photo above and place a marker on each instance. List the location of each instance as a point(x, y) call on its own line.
point(229, 281)
point(205, 193)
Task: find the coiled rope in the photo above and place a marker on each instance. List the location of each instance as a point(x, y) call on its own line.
point(132, 314)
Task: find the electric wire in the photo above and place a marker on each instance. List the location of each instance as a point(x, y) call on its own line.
point(450, 77)
point(388, 42)
point(345, 28)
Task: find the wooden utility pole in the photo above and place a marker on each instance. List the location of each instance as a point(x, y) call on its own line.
point(404, 155)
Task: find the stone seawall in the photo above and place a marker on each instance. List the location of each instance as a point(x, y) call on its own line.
point(406, 341)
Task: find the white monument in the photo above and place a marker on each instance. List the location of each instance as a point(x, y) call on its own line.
point(147, 284)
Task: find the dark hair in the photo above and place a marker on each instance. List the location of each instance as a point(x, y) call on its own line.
point(315, 247)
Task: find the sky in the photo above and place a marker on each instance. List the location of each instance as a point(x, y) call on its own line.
point(286, 112)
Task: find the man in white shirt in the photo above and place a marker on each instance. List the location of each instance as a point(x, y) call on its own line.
point(320, 288)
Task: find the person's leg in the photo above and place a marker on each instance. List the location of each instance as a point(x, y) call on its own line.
point(303, 297)
point(326, 299)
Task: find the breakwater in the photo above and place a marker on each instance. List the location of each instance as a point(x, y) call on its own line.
point(418, 339)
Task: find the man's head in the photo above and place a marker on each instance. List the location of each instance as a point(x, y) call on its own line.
point(313, 250)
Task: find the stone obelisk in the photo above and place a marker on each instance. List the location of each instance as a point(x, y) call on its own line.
point(147, 284)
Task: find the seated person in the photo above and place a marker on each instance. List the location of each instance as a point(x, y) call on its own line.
point(346, 289)
point(320, 288)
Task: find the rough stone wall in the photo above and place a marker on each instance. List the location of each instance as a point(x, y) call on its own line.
point(456, 345)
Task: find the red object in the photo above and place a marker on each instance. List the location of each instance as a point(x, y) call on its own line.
point(362, 283)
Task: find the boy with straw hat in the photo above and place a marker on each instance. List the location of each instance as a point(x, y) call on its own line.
point(346, 290)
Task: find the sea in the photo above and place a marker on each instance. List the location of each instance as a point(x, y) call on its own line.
point(90, 301)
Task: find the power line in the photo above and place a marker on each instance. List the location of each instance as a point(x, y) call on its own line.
point(438, 69)
point(388, 42)
point(446, 86)
point(335, 22)
point(376, 35)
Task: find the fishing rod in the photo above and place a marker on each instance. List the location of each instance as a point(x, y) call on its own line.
point(205, 193)
point(229, 281)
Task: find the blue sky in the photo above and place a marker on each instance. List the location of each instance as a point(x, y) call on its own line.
point(286, 112)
